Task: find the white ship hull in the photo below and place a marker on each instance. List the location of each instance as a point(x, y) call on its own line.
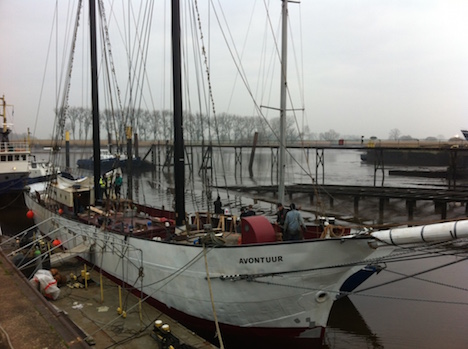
point(274, 286)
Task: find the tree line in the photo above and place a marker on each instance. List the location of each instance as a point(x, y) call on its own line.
point(158, 125)
point(224, 127)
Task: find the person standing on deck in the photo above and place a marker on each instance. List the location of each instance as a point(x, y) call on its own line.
point(118, 185)
point(247, 212)
point(103, 184)
point(293, 225)
point(218, 206)
point(250, 211)
point(281, 216)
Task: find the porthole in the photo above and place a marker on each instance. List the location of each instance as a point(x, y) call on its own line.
point(321, 296)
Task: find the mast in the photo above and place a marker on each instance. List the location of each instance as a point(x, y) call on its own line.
point(179, 165)
point(5, 130)
point(95, 100)
point(284, 66)
point(4, 114)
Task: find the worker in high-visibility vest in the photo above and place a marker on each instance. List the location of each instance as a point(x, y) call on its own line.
point(103, 185)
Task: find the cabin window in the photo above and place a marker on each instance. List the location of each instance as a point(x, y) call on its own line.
point(3, 158)
point(10, 157)
point(24, 157)
point(16, 157)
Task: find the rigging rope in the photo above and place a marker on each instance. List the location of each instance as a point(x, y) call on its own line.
point(416, 274)
point(211, 97)
point(237, 62)
point(110, 67)
point(168, 278)
point(62, 110)
point(218, 331)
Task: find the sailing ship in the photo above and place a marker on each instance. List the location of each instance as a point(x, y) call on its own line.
point(249, 285)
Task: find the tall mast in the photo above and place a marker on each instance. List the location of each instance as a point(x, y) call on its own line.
point(5, 130)
point(4, 113)
point(94, 99)
point(284, 66)
point(179, 165)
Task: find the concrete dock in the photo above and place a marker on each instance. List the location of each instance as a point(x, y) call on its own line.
point(27, 319)
point(80, 317)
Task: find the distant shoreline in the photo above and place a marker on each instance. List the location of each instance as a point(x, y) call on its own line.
point(79, 143)
point(309, 143)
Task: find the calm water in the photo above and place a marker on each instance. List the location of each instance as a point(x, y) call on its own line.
point(430, 311)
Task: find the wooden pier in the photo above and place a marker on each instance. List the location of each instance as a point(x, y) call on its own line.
point(440, 197)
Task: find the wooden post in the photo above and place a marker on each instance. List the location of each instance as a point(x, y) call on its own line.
point(252, 154)
point(381, 209)
point(356, 206)
point(410, 205)
point(67, 150)
point(441, 207)
point(136, 145)
point(221, 222)
point(443, 210)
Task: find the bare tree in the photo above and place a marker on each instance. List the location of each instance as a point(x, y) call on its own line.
point(394, 134)
point(107, 122)
point(145, 127)
point(155, 130)
point(330, 135)
point(167, 125)
point(80, 116)
point(223, 125)
point(87, 121)
point(71, 115)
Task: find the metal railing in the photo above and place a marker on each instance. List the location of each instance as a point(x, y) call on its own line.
point(14, 147)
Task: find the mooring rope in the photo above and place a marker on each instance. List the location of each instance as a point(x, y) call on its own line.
point(218, 331)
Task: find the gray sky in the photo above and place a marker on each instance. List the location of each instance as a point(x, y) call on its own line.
point(368, 66)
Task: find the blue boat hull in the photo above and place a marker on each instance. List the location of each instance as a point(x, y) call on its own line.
point(108, 165)
point(13, 185)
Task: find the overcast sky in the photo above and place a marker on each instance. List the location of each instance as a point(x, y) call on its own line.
point(367, 66)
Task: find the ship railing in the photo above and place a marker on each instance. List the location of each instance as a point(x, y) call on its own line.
point(31, 246)
point(24, 232)
point(14, 147)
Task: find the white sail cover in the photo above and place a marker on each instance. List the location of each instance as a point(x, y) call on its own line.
point(64, 183)
point(424, 234)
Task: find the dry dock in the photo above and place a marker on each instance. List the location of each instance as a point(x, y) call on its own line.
point(80, 317)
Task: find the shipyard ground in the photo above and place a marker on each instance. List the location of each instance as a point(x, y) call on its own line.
point(81, 317)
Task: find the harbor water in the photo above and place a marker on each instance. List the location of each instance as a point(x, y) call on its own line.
point(409, 304)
